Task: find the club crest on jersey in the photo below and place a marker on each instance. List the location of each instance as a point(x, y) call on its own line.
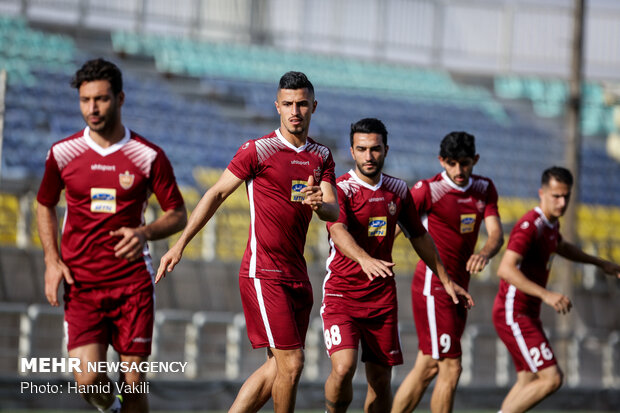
point(296, 187)
point(377, 226)
point(317, 174)
point(480, 204)
point(103, 200)
point(392, 208)
point(126, 180)
point(468, 222)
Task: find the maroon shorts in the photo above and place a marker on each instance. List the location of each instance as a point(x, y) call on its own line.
point(439, 323)
point(121, 316)
point(525, 340)
point(344, 327)
point(277, 312)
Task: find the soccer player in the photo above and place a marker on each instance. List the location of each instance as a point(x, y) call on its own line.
point(452, 205)
point(108, 173)
point(524, 271)
point(359, 292)
point(288, 176)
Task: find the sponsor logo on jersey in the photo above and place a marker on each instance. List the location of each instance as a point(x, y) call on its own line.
point(100, 167)
point(245, 145)
point(126, 180)
point(296, 187)
point(468, 222)
point(392, 208)
point(418, 185)
point(296, 162)
point(103, 200)
point(377, 226)
point(525, 225)
point(377, 199)
point(464, 201)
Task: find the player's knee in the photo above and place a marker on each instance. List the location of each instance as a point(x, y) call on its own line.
point(90, 379)
point(555, 381)
point(132, 377)
point(343, 371)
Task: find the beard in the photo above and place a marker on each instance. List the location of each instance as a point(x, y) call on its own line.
point(373, 173)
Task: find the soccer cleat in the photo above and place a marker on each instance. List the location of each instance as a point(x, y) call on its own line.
point(118, 403)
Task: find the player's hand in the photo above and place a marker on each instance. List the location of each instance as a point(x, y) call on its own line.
point(374, 268)
point(168, 262)
point(476, 263)
point(131, 245)
point(314, 195)
point(455, 291)
point(611, 268)
point(560, 303)
point(55, 272)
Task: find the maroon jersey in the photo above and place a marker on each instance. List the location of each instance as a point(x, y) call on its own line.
point(370, 214)
point(275, 172)
point(452, 215)
point(535, 239)
point(106, 189)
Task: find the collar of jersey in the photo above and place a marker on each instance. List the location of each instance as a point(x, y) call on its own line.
point(544, 217)
point(453, 185)
point(290, 145)
point(110, 149)
point(364, 184)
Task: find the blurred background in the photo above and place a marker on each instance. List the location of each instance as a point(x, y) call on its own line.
point(536, 81)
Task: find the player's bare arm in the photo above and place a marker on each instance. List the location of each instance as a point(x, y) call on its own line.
point(426, 249)
point(55, 268)
point(345, 242)
point(478, 261)
point(322, 199)
point(210, 202)
point(509, 271)
point(132, 240)
point(574, 253)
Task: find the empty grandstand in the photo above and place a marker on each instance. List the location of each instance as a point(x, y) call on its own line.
point(200, 80)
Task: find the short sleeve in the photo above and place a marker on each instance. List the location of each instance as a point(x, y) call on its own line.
point(491, 205)
point(343, 205)
point(522, 236)
point(244, 164)
point(164, 183)
point(52, 183)
point(409, 220)
point(328, 174)
point(421, 195)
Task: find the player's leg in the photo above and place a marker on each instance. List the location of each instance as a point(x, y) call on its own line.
point(531, 388)
point(133, 401)
point(289, 365)
point(412, 388)
point(379, 394)
point(442, 399)
point(132, 336)
point(339, 384)
point(93, 353)
point(256, 390)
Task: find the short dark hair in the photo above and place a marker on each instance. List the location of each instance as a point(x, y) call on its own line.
point(295, 80)
point(369, 125)
point(558, 173)
point(457, 145)
point(99, 69)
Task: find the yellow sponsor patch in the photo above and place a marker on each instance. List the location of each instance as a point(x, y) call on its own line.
point(296, 187)
point(103, 200)
point(377, 226)
point(468, 222)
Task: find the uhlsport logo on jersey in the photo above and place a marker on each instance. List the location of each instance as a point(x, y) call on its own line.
point(296, 187)
point(103, 200)
point(377, 226)
point(126, 180)
point(468, 222)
